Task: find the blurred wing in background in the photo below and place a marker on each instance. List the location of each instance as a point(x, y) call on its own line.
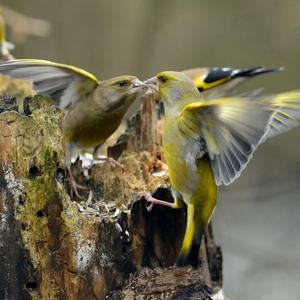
point(220, 82)
point(5, 46)
point(63, 83)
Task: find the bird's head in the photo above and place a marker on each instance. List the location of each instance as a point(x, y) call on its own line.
point(173, 87)
point(119, 93)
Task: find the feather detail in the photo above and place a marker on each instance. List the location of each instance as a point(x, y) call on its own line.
point(232, 129)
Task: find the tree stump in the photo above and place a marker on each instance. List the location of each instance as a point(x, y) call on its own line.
point(105, 247)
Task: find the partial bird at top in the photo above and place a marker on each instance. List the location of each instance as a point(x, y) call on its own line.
point(5, 46)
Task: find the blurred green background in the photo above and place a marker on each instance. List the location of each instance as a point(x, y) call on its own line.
point(257, 221)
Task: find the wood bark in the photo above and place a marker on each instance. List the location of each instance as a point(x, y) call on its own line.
point(108, 246)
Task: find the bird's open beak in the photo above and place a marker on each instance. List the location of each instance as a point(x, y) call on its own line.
point(152, 80)
point(138, 83)
point(138, 86)
point(152, 83)
point(142, 85)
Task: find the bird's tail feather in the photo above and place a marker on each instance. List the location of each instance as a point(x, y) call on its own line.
point(189, 253)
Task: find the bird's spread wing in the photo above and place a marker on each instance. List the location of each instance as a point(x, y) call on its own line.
point(232, 129)
point(218, 82)
point(287, 115)
point(63, 83)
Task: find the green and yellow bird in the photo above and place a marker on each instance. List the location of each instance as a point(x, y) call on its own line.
point(93, 109)
point(208, 143)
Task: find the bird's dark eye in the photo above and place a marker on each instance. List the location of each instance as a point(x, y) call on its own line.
point(162, 79)
point(123, 83)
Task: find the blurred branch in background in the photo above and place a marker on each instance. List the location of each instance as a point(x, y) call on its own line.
point(22, 26)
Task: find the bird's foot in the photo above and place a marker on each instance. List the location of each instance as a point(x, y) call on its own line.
point(75, 186)
point(153, 201)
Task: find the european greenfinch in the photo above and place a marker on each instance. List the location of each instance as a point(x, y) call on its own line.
point(93, 109)
point(208, 143)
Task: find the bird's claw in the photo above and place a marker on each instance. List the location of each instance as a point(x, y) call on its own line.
point(149, 207)
point(115, 163)
point(147, 196)
point(155, 201)
point(75, 186)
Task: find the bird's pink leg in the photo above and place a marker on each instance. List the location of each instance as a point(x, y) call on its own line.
point(153, 201)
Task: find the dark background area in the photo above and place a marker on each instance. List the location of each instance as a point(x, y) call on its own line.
point(257, 220)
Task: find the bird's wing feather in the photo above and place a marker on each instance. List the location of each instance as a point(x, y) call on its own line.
point(287, 115)
point(232, 129)
point(64, 83)
point(215, 83)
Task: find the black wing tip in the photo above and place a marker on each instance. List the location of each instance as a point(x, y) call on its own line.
point(254, 71)
point(216, 73)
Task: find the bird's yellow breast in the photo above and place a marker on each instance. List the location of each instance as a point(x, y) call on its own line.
point(189, 174)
